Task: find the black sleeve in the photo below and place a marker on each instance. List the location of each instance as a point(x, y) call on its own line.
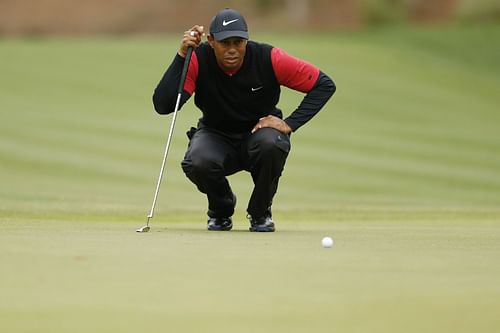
point(315, 99)
point(165, 94)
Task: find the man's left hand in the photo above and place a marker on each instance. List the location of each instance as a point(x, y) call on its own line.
point(273, 122)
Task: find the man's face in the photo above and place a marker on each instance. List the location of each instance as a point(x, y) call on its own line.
point(229, 52)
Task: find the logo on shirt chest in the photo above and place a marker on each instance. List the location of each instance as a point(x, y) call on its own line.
point(257, 88)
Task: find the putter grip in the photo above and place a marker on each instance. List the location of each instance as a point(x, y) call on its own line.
point(185, 69)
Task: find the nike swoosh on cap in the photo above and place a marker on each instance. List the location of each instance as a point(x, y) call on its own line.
point(224, 23)
point(258, 88)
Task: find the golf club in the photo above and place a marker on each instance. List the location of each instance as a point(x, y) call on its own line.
point(146, 228)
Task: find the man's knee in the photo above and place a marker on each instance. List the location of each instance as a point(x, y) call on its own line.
point(200, 164)
point(269, 141)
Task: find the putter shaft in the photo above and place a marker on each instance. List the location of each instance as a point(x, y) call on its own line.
point(169, 139)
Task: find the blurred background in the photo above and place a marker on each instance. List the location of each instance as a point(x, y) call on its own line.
point(414, 122)
point(18, 17)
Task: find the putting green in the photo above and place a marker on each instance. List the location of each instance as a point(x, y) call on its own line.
point(393, 271)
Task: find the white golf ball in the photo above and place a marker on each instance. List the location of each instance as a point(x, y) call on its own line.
point(327, 242)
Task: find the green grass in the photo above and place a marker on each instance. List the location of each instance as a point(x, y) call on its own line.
point(402, 169)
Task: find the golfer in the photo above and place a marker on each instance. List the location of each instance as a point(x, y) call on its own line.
point(236, 85)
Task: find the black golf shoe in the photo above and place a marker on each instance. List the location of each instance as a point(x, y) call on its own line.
point(219, 224)
point(261, 224)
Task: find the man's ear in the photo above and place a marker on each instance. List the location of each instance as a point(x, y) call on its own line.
point(211, 40)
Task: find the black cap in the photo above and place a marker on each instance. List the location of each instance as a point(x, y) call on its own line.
point(228, 23)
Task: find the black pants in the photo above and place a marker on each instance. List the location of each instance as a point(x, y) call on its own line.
point(213, 155)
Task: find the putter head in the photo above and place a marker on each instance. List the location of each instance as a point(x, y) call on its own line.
point(146, 227)
point(143, 229)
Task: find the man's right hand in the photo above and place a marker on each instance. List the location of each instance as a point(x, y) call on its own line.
point(191, 38)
